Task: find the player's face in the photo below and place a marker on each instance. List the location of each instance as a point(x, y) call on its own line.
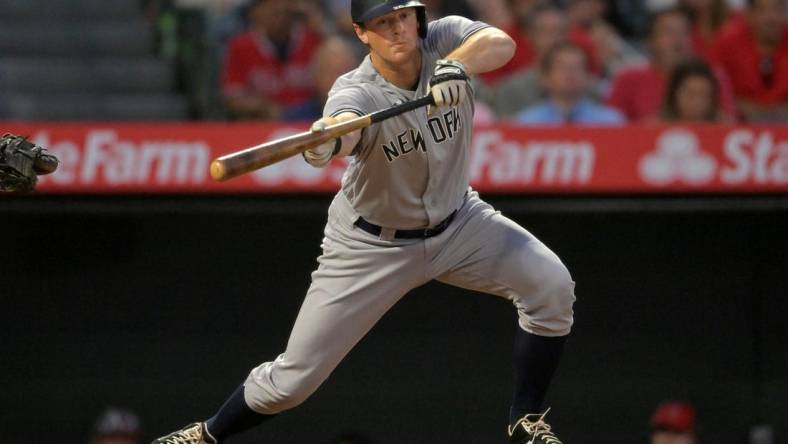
point(393, 36)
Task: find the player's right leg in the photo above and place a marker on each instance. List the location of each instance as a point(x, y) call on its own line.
point(490, 253)
point(359, 278)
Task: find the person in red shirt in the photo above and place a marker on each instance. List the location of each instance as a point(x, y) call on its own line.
point(582, 16)
point(267, 68)
point(708, 18)
point(638, 91)
point(754, 52)
point(526, 54)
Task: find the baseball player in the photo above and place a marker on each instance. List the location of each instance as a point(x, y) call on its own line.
point(405, 215)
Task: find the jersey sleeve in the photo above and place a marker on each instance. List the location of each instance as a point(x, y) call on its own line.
point(446, 34)
point(354, 99)
point(348, 99)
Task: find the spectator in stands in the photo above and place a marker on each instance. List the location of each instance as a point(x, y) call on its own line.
point(521, 30)
point(333, 59)
point(692, 94)
point(547, 27)
point(266, 68)
point(628, 17)
point(116, 426)
point(613, 53)
point(582, 15)
point(673, 423)
point(342, 26)
point(441, 8)
point(754, 52)
point(520, 13)
point(494, 12)
point(638, 91)
point(708, 17)
point(565, 73)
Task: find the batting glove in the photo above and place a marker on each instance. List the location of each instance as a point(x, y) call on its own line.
point(319, 156)
point(448, 84)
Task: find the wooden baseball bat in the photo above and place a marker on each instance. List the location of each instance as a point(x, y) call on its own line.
point(259, 156)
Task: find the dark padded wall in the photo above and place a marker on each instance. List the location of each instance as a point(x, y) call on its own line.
point(166, 306)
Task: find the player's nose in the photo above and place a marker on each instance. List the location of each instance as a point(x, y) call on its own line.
point(399, 26)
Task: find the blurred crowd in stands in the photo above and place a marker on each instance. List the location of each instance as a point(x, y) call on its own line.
point(596, 62)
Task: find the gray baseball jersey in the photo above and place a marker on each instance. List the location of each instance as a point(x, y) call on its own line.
point(410, 171)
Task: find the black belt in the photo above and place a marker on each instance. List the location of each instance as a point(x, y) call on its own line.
point(421, 233)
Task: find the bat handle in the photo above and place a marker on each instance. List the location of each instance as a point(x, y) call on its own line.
point(388, 113)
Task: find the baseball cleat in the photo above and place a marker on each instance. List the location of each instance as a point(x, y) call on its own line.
point(531, 429)
point(191, 434)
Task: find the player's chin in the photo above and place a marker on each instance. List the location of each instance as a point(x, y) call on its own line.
point(401, 53)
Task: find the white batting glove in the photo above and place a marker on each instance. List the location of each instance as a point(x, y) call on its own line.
point(448, 84)
point(319, 156)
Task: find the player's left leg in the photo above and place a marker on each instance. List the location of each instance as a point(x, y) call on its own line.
point(487, 252)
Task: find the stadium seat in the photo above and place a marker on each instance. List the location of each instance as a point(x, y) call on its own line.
point(14, 10)
point(96, 75)
point(79, 39)
point(83, 60)
point(70, 107)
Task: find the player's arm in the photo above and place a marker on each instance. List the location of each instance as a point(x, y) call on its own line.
point(340, 147)
point(484, 50)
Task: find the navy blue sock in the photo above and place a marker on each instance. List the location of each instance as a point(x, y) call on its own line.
point(535, 361)
point(233, 417)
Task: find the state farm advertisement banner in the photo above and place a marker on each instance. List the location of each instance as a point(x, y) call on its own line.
point(174, 158)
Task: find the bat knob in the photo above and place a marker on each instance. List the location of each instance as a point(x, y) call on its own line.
point(218, 170)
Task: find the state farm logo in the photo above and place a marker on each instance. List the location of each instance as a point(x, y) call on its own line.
point(678, 158)
point(501, 161)
point(746, 157)
point(102, 156)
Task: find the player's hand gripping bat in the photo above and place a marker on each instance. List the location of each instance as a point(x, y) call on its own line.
point(256, 157)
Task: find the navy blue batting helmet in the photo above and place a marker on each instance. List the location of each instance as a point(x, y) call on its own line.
point(364, 10)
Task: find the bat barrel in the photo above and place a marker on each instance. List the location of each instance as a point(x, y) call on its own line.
point(219, 170)
point(256, 157)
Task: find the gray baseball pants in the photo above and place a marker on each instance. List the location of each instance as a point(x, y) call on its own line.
point(361, 276)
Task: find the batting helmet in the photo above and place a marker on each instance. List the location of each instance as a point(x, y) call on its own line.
point(363, 10)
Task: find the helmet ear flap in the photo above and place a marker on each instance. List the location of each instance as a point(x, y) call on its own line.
point(421, 14)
